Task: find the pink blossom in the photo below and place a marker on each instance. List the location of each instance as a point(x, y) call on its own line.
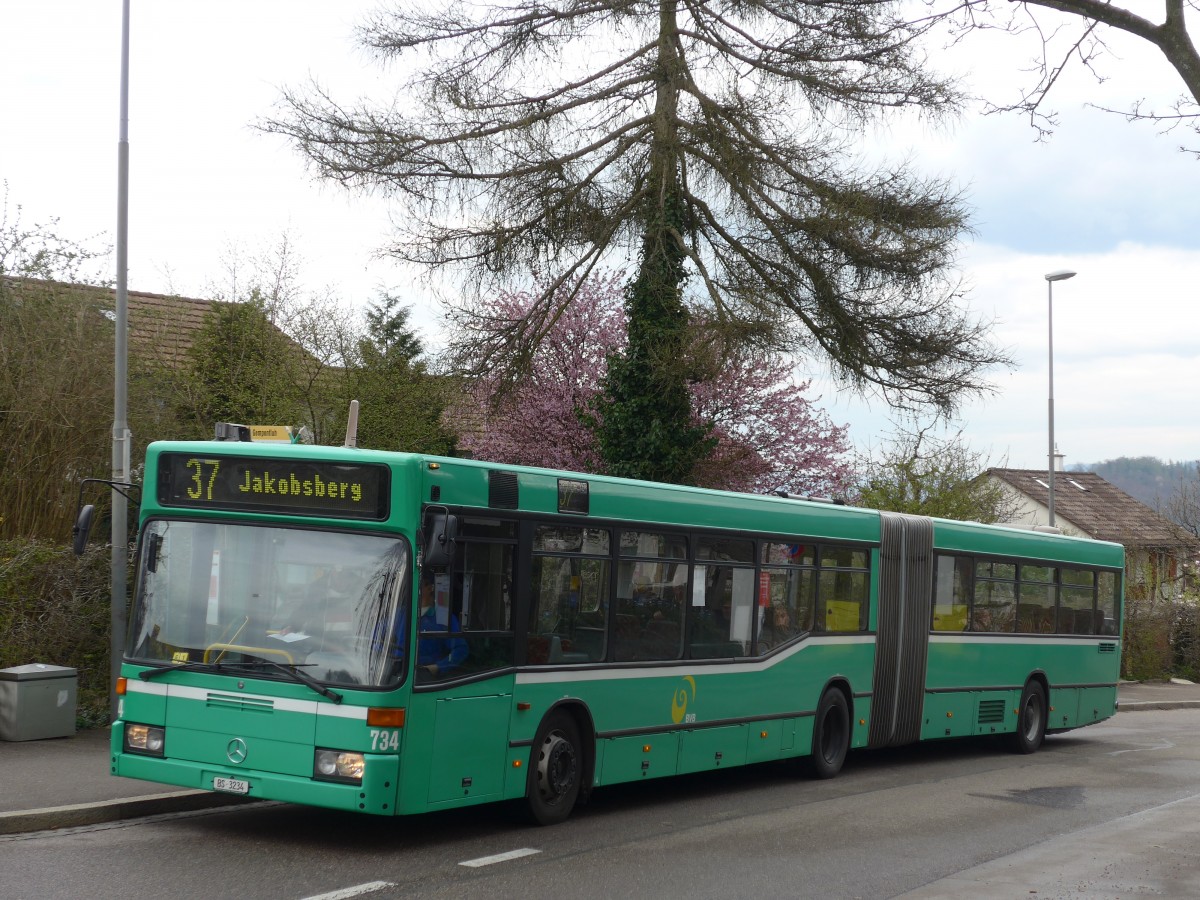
point(770, 436)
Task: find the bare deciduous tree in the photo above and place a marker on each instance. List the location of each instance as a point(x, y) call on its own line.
point(1085, 43)
point(1183, 506)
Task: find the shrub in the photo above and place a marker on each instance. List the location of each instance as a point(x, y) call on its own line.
point(54, 609)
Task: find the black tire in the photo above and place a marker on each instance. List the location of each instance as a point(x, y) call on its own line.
point(1031, 720)
point(831, 735)
point(555, 770)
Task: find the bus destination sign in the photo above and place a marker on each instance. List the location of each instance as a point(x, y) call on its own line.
point(287, 486)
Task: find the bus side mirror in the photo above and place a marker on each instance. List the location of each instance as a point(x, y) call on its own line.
point(83, 526)
point(441, 541)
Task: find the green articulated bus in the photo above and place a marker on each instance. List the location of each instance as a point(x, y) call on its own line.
point(395, 633)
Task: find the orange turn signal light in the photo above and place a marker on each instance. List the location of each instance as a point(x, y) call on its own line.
point(385, 717)
point(121, 686)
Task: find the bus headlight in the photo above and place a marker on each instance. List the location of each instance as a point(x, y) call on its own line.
point(338, 765)
point(145, 739)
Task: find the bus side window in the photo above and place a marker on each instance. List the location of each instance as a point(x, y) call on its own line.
point(843, 593)
point(1108, 612)
point(952, 593)
point(651, 587)
point(480, 596)
point(1076, 602)
point(568, 604)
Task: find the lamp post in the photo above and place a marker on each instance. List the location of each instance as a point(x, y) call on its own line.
point(1059, 275)
point(121, 437)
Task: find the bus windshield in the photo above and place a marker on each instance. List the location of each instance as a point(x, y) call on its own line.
point(325, 602)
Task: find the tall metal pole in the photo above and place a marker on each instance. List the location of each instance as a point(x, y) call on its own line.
point(1050, 455)
point(121, 437)
point(1060, 275)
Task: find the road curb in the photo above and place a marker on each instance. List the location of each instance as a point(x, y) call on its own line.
point(78, 814)
point(1138, 705)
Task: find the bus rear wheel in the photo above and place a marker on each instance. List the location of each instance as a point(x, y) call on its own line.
point(1031, 720)
point(555, 771)
point(831, 735)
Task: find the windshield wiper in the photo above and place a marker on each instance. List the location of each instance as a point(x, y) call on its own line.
point(291, 671)
point(179, 667)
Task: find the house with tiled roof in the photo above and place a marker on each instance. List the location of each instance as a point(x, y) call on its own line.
point(162, 327)
point(1159, 554)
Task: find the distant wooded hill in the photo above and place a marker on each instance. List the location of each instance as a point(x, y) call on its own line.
point(1144, 478)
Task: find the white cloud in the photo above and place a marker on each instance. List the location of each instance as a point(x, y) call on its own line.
point(1126, 357)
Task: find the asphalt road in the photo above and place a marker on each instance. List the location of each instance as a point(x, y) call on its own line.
point(945, 820)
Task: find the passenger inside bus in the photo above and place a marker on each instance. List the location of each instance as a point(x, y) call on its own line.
point(776, 627)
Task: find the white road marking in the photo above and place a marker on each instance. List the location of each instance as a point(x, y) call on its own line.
point(357, 891)
point(1161, 745)
point(499, 858)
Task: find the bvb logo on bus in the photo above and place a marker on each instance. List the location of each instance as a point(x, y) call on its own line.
point(679, 703)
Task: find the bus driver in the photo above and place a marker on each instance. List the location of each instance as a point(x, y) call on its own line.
point(437, 655)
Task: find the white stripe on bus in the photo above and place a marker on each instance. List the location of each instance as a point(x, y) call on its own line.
point(279, 704)
point(609, 674)
point(961, 637)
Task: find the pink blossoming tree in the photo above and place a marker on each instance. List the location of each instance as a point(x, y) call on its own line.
point(769, 435)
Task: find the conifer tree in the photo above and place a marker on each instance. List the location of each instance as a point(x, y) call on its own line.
point(708, 139)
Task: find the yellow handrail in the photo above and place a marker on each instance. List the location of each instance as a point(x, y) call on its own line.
point(256, 651)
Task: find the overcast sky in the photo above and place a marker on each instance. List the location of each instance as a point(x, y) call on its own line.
point(1113, 201)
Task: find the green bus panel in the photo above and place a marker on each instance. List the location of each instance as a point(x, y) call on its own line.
point(637, 757)
point(770, 740)
point(712, 748)
point(1064, 708)
point(1096, 704)
point(1006, 662)
point(971, 537)
point(208, 745)
point(465, 483)
point(222, 713)
point(948, 715)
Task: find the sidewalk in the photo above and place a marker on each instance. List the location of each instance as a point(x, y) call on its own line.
point(65, 782)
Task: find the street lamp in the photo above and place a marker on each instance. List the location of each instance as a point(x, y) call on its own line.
point(1059, 275)
point(121, 436)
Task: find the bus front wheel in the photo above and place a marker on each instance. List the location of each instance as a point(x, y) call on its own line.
point(1031, 720)
point(831, 735)
point(555, 771)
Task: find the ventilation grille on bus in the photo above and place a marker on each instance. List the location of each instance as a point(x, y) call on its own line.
point(502, 490)
point(244, 704)
point(991, 711)
point(1107, 647)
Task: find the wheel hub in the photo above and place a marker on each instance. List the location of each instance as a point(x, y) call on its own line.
point(556, 767)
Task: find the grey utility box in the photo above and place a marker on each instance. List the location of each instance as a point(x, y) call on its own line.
point(37, 701)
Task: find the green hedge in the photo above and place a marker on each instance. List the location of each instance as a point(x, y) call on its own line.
point(54, 609)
